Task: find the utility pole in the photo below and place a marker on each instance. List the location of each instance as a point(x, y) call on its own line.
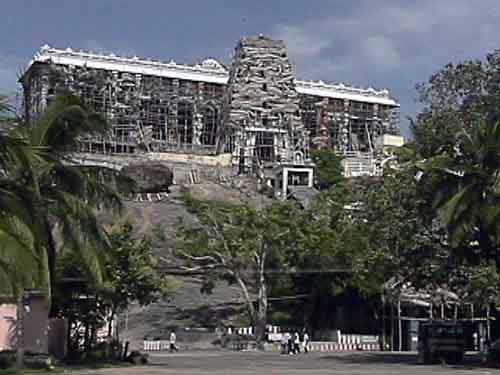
point(392, 326)
point(400, 327)
point(383, 321)
point(20, 332)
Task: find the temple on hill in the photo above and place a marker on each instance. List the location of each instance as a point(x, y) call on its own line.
point(253, 116)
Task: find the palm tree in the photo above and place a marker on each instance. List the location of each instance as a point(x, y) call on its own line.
point(48, 204)
point(17, 224)
point(63, 197)
point(466, 186)
point(19, 228)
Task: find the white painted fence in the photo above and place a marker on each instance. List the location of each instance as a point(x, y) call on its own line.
point(329, 346)
point(156, 345)
point(342, 342)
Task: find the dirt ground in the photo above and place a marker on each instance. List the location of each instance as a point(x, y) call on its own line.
point(240, 363)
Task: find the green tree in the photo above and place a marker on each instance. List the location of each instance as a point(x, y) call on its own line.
point(402, 238)
point(133, 276)
point(65, 195)
point(133, 273)
point(320, 256)
point(46, 201)
point(454, 98)
point(238, 243)
point(467, 187)
point(19, 228)
point(455, 167)
point(456, 140)
point(44, 198)
point(328, 168)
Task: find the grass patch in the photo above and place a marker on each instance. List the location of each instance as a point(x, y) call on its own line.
point(12, 371)
point(64, 369)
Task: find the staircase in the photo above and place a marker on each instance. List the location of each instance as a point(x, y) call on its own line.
point(359, 165)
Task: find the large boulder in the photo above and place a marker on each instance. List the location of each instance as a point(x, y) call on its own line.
point(138, 358)
point(150, 177)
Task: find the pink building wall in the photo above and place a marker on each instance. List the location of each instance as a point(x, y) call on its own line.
point(7, 326)
point(36, 326)
point(58, 329)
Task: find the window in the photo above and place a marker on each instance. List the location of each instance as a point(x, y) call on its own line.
point(156, 117)
point(264, 146)
point(185, 122)
point(209, 131)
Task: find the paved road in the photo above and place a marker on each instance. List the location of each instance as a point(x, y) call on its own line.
point(243, 363)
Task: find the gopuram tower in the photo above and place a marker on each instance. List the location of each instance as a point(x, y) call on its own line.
point(262, 122)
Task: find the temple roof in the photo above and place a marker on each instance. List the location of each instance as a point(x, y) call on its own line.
point(209, 70)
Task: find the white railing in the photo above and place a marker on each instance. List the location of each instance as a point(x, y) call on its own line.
point(156, 345)
point(359, 166)
point(341, 342)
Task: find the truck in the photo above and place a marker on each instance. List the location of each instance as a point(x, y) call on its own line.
point(440, 340)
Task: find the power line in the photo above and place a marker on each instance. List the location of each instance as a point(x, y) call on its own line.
point(309, 271)
point(177, 271)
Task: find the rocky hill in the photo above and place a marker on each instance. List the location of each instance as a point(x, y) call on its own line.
point(188, 308)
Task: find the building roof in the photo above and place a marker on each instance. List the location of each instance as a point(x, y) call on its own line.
point(209, 70)
point(341, 91)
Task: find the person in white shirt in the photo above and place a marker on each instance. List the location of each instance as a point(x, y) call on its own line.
point(305, 342)
point(289, 343)
point(284, 343)
point(173, 338)
point(296, 343)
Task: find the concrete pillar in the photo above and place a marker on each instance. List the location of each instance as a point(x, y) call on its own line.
point(285, 182)
point(310, 176)
point(197, 125)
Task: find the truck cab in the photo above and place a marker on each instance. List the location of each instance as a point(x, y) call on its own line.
point(441, 340)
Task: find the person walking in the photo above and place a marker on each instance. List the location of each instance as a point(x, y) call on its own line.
point(284, 343)
point(296, 343)
point(305, 342)
point(289, 343)
point(173, 339)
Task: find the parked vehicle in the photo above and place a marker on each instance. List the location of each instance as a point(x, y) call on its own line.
point(441, 340)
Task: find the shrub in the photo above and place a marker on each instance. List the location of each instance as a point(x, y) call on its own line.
point(38, 361)
point(7, 359)
point(136, 357)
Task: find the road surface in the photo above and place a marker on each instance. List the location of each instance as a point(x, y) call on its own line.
point(268, 363)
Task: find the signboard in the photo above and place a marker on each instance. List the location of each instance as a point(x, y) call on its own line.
point(366, 339)
point(274, 336)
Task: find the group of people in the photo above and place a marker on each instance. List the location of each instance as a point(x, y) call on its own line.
point(294, 344)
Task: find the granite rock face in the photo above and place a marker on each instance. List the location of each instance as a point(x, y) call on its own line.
point(188, 307)
point(149, 177)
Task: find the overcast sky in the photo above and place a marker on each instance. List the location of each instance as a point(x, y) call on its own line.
point(384, 44)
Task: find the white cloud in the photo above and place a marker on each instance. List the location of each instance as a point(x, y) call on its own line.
point(301, 42)
point(97, 47)
point(10, 68)
point(390, 36)
point(382, 52)
point(393, 44)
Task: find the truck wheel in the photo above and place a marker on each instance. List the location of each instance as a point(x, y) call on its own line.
point(427, 357)
point(420, 357)
point(454, 358)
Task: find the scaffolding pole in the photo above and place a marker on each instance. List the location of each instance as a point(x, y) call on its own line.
point(400, 327)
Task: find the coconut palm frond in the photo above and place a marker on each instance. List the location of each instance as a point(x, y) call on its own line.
point(64, 121)
point(466, 186)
